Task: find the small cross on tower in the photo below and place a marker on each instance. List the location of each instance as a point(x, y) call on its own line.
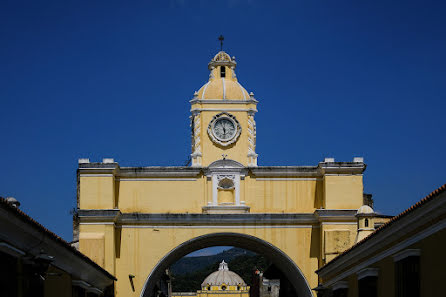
point(221, 38)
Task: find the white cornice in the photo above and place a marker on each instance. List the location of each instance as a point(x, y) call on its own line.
point(340, 285)
point(224, 109)
point(222, 101)
point(366, 272)
point(406, 253)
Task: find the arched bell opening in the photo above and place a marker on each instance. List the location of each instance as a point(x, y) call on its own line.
point(286, 266)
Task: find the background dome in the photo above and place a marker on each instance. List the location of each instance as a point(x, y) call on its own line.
point(223, 276)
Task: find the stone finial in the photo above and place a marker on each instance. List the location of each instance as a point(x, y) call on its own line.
point(251, 95)
point(108, 160)
point(12, 201)
point(358, 160)
point(195, 94)
point(84, 161)
point(223, 266)
point(329, 160)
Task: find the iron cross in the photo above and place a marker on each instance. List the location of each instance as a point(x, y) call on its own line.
point(221, 38)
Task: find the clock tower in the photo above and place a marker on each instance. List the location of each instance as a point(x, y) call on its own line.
point(222, 119)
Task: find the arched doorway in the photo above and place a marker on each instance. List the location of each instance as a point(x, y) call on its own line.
point(279, 258)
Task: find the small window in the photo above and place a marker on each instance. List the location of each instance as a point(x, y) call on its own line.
point(222, 71)
point(238, 288)
point(269, 288)
point(223, 287)
point(366, 222)
point(209, 287)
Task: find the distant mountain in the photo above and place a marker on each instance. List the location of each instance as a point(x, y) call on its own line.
point(189, 272)
point(190, 264)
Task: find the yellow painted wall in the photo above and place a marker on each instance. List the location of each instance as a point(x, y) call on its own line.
point(190, 196)
point(343, 191)
point(98, 242)
point(97, 192)
point(212, 152)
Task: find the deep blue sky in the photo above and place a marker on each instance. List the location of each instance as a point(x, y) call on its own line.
point(113, 79)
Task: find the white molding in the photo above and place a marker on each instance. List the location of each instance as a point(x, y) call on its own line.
point(406, 253)
point(218, 226)
point(157, 179)
point(241, 88)
point(204, 90)
point(94, 290)
point(9, 249)
point(224, 88)
point(288, 178)
point(339, 223)
point(411, 240)
point(341, 174)
point(222, 101)
point(214, 190)
point(97, 223)
point(225, 109)
point(80, 283)
point(340, 285)
point(367, 272)
point(95, 175)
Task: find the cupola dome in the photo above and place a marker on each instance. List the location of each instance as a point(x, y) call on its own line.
point(365, 210)
point(223, 276)
point(222, 82)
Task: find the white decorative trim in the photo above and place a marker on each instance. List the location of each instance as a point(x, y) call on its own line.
point(427, 232)
point(9, 249)
point(406, 253)
point(218, 227)
point(214, 190)
point(80, 283)
point(367, 272)
point(223, 101)
point(205, 87)
point(252, 132)
point(215, 138)
point(340, 285)
point(84, 285)
point(288, 179)
point(83, 161)
point(95, 175)
point(157, 179)
point(94, 290)
point(242, 89)
point(224, 88)
point(226, 109)
point(97, 223)
point(196, 140)
point(339, 223)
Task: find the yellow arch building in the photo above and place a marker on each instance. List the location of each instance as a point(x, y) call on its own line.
point(136, 221)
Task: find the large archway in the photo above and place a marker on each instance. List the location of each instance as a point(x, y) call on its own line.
point(279, 258)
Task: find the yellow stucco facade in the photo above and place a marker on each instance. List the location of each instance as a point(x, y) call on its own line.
point(136, 220)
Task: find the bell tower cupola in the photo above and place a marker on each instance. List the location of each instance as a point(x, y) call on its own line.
point(222, 117)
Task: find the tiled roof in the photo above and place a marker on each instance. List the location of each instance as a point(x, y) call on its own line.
point(26, 218)
point(392, 221)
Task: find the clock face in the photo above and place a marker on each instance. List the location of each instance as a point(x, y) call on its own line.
point(224, 129)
